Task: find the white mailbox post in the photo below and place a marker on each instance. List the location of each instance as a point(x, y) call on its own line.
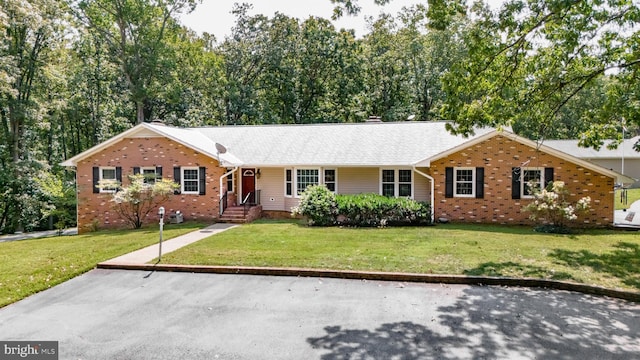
point(161, 216)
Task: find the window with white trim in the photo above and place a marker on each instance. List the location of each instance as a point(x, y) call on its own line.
point(190, 180)
point(531, 181)
point(107, 175)
point(306, 178)
point(396, 182)
point(330, 179)
point(149, 174)
point(388, 183)
point(464, 181)
point(230, 181)
point(404, 183)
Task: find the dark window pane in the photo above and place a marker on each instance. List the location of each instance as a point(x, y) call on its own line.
point(388, 176)
point(464, 188)
point(329, 175)
point(404, 190)
point(108, 174)
point(464, 175)
point(404, 176)
point(190, 180)
point(149, 175)
point(388, 190)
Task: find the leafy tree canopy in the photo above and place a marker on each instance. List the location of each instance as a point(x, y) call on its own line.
point(535, 64)
point(534, 59)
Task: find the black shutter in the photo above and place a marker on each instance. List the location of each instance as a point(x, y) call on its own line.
point(158, 172)
point(136, 170)
point(448, 182)
point(176, 178)
point(515, 183)
point(96, 179)
point(203, 180)
point(548, 176)
point(479, 183)
point(119, 174)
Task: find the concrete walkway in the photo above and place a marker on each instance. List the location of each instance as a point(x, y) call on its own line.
point(149, 253)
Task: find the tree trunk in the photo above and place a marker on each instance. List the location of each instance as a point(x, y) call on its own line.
point(139, 111)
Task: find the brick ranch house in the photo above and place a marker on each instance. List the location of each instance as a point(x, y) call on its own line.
point(478, 179)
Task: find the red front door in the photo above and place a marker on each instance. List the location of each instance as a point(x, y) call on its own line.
point(248, 186)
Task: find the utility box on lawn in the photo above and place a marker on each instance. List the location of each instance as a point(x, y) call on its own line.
point(176, 217)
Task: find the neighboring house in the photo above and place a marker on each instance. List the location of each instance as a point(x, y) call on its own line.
point(615, 159)
point(476, 179)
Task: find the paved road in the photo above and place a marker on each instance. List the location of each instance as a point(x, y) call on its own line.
point(115, 314)
point(37, 234)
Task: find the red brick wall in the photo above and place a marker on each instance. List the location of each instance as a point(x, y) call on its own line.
point(498, 156)
point(141, 152)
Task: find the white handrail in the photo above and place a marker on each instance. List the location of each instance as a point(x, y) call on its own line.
point(246, 198)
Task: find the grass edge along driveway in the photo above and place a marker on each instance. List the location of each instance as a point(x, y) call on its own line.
point(30, 266)
point(607, 258)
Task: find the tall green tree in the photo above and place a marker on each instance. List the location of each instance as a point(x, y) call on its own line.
point(530, 60)
point(97, 105)
point(428, 53)
point(135, 32)
point(387, 72)
point(244, 62)
point(30, 31)
point(317, 68)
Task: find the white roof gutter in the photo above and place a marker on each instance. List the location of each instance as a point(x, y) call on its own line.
point(432, 192)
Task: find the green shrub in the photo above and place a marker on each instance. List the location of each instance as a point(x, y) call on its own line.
point(318, 204)
point(378, 210)
point(552, 209)
point(324, 208)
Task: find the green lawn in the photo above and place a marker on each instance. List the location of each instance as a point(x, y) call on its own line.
point(632, 195)
point(599, 257)
point(30, 266)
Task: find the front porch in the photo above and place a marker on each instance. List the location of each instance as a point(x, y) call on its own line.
point(241, 214)
point(247, 211)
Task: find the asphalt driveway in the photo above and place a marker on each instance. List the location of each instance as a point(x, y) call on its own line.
point(115, 314)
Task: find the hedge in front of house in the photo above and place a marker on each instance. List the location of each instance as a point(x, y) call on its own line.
point(377, 210)
point(324, 208)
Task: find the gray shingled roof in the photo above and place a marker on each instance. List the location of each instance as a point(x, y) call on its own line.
point(571, 147)
point(361, 144)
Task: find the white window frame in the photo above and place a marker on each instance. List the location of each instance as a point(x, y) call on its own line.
point(146, 180)
point(294, 179)
point(335, 179)
point(473, 182)
point(524, 183)
point(231, 178)
point(102, 178)
point(383, 183)
point(197, 180)
point(296, 188)
point(397, 182)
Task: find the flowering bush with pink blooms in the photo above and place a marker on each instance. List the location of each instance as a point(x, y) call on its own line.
point(552, 209)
